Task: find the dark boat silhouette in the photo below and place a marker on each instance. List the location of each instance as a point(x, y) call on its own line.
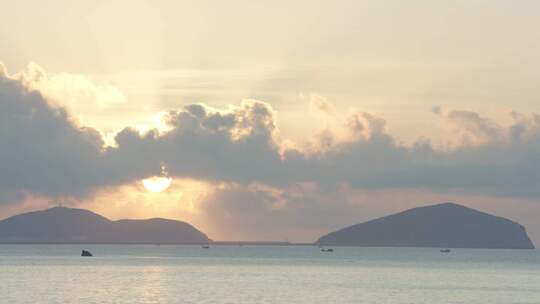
point(205, 246)
point(86, 253)
point(327, 250)
point(445, 250)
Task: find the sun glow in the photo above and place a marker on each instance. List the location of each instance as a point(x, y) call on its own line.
point(157, 183)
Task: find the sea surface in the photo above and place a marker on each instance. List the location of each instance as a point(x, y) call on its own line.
point(265, 274)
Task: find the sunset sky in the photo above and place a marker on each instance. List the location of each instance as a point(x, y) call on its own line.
point(272, 120)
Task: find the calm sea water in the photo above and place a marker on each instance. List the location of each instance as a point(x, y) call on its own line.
point(265, 274)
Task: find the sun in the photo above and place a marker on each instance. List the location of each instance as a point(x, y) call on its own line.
point(157, 183)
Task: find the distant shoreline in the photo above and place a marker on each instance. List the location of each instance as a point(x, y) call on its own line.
point(216, 243)
point(248, 243)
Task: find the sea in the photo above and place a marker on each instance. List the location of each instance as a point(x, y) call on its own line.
point(265, 274)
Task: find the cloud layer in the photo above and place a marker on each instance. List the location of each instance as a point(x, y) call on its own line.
point(45, 152)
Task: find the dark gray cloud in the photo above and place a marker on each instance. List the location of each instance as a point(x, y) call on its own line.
point(240, 146)
point(44, 152)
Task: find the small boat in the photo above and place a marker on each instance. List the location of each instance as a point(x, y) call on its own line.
point(205, 246)
point(445, 250)
point(86, 253)
point(327, 250)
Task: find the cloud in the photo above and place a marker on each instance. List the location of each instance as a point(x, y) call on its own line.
point(3, 70)
point(237, 144)
point(471, 129)
point(321, 104)
point(240, 145)
point(77, 92)
point(45, 152)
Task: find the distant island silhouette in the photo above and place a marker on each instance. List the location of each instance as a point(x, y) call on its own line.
point(445, 225)
point(70, 225)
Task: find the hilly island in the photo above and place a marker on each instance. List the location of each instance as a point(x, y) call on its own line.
point(445, 225)
point(70, 225)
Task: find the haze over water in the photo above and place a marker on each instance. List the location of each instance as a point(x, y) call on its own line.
point(265, 274)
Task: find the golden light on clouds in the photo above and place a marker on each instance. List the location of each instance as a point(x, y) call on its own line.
point(157, 184)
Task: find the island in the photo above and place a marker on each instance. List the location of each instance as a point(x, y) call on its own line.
point(445, 225)
point(70, 225)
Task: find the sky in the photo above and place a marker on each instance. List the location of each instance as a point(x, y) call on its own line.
point(270, 120)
